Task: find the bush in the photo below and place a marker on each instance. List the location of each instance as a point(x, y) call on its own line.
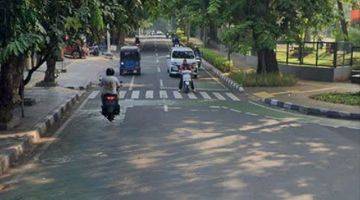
point(339, 98)
point(217, 60)
point(253, 79)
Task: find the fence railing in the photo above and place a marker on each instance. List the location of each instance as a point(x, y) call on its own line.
point(328, 54)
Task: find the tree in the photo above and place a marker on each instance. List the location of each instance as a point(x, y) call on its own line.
point(21, 32)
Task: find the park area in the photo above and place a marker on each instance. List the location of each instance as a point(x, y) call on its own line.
point(322, 54)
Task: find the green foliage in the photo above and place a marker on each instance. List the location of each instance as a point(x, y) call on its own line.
point(218, 61)
point(352, 99)
point(354, 36)
point(253, 79)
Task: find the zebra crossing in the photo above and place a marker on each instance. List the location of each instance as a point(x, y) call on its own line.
point(176, 95)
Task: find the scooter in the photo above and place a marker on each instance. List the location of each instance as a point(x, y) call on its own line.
point(186, 76)
point(110, 106)
point(94, 50)
point(198, 61)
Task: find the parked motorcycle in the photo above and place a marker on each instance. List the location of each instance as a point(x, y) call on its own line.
point(94, 50)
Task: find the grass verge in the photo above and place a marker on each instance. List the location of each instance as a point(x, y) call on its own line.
point(352, 99)
point(247, 79)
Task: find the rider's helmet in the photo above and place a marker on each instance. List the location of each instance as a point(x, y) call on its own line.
point(110, 72)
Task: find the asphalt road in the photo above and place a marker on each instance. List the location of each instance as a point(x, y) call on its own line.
point(210, 145)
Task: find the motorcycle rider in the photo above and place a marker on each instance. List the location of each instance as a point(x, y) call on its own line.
point(185, 66)
point(197, 51)
point(137, 41)
point(110, 85)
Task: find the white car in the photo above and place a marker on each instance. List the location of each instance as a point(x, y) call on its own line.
point(176, 58)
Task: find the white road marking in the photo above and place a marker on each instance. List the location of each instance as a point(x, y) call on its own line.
point(156, 54)
point(163, 94)
point(161, 83)
point(232, 96)
point(166, 108)
point(158, 69)
point(177, 95)
point(122, 94)
point(94, 94)
point(192, 96)
point(132, 82)
point(205, 95)
point(135, 94)
point(149, 94)
point(157, 61)
point(219, 96)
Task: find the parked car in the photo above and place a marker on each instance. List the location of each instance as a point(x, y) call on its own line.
point(177, 55)
point(75, 52)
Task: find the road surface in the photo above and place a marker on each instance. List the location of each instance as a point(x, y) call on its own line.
point(214, 144)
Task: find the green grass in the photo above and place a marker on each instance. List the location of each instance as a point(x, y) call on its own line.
point(352, 99)
point(247, 79)
point(253, 79)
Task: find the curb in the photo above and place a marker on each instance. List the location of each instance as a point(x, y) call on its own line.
point(311, 110)
point(228, 81)
point(11, 155)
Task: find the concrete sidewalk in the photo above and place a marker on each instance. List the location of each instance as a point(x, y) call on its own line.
point(301, 92)
point(51, 104)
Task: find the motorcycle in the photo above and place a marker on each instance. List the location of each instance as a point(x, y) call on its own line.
point(94, 50)
point(110, 106)
point(186, 76)
point(198, 61)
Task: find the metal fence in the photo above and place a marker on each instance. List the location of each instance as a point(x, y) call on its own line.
point(328, 54)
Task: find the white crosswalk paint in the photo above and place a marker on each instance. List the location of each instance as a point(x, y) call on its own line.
point(94, 94)
point(205, 95)
point(192, 96)
point(158, 69)
point(149, 94)
point(219, 96)
point(232, 96)
point(132, 83)
point(161, 83)
point(135, 94)
point(122, 94)
point(177, 95)
point(163, 94)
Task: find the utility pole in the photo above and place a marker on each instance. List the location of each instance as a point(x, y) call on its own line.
point(108, 39)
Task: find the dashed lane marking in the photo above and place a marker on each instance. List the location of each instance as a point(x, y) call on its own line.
point(94, 94)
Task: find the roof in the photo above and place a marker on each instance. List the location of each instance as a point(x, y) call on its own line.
point(135, 48)
point(181, 49)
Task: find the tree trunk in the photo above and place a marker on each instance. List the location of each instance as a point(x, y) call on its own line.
point(49, 78)
point(267, 62)
point(342, 19)
point(121, 38)
point(10, 79)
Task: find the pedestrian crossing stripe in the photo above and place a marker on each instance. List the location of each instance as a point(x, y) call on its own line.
point(149, 94)
point(232, 96)
point(163, 94)
point(177, 95)
point(205, 95)
point(122, 94)
point(135, 94)
point(219, 96)
point(192, 96)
